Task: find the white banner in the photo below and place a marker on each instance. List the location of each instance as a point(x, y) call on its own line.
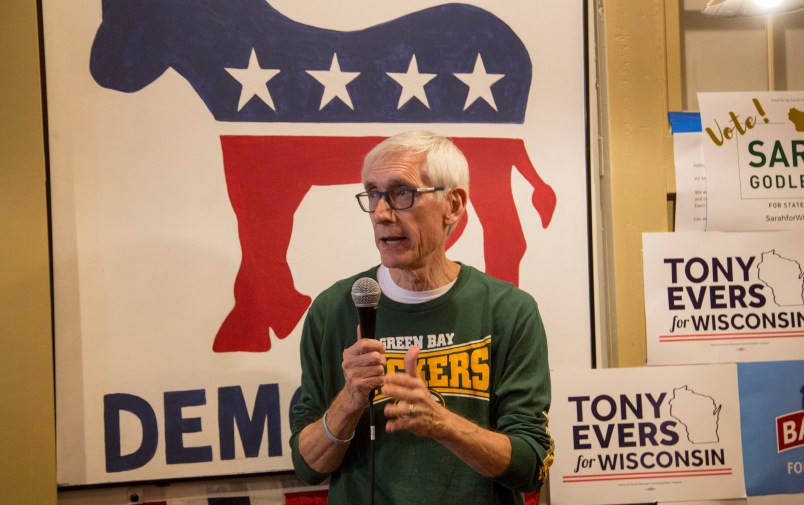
point(204, 161)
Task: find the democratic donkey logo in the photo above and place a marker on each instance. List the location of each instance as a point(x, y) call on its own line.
point(452, 63)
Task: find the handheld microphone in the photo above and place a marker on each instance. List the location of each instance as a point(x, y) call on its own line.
point(366, 295)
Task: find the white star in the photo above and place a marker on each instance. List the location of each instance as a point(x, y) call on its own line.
point(254, 81)
point(334, 82)
point(479, 83)
point(412, 83)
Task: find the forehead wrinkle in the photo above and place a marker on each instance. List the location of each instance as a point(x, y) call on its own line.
point(394, 182)
point(408, 165)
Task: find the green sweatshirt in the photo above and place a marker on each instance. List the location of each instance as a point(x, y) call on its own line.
point(483, 356)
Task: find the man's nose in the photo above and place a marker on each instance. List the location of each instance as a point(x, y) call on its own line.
point(383, 211)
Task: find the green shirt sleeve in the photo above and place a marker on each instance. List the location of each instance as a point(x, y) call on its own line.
point(320, 353)
point(522, 392)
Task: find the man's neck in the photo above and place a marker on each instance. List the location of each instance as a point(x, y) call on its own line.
point(426, 279)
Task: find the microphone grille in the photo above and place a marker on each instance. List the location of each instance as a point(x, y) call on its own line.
point(366, 292)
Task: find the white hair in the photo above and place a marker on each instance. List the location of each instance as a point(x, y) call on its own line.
point(442, 163)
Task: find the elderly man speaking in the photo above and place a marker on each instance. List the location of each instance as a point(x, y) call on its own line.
point(449, 403)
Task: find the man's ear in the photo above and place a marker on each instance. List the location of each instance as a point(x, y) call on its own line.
point(456, 200)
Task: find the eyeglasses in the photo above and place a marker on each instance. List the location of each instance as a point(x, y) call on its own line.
point(400, 198)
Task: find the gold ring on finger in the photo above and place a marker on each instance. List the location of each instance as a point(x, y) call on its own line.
point(411, 409)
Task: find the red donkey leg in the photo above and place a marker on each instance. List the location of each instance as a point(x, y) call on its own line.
point(490, 164)
point(267, 179)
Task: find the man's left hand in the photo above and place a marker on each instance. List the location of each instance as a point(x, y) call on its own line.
point(414, 409)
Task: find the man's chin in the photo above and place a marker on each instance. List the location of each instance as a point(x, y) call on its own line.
point(392, 261)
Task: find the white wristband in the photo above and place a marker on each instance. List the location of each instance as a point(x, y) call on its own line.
point(332, 437)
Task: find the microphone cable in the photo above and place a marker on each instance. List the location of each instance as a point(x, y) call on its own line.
point(372, 432)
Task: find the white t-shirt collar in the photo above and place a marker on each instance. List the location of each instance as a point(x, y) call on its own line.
point(390, 289)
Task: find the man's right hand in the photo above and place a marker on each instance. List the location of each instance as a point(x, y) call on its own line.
point(363, 369)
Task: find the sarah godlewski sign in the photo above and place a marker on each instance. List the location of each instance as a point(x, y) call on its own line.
point(204, 160)
point(644, 435)
point(716, 297)
point(754, 155)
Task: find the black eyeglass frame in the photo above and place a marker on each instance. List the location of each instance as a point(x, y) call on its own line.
point(384, 194)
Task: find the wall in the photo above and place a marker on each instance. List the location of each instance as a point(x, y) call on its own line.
point(636, 156)
point(27, 428)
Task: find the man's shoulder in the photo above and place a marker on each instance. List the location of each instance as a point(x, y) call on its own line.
point(493, 284)
point(504, 297)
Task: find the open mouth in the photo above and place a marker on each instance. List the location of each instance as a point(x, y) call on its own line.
point(392, 240)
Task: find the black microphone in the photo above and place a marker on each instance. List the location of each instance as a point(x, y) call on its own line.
point(366, 295)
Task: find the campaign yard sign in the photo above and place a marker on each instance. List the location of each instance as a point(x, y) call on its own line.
point(204, 158)
point(637, 435)
point(713, 297)
point(772, 412)
point(754, 154)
